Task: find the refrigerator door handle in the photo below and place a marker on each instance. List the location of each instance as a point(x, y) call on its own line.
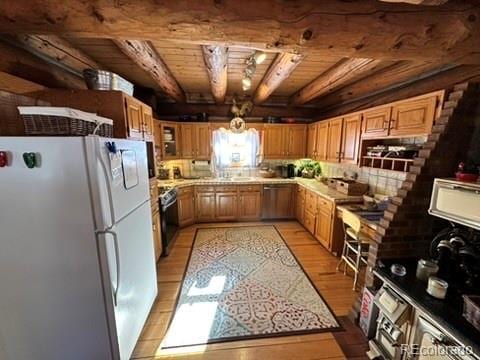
point(109, 190)
point(117, 262)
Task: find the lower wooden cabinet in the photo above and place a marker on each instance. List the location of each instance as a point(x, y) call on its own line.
point(315, 213)
point(226, 206)
point(157, 234)
point(249, 205)
point(323, 228)
point(309, 221)
point(205, 206)
point(300, 204)
point(186, 206)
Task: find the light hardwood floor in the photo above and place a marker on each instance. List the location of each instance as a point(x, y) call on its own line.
point(317, 262)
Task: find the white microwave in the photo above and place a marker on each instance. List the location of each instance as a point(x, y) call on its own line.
point(456, 201)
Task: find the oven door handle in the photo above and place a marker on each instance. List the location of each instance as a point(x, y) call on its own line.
point(393, 343)
point(167, 205)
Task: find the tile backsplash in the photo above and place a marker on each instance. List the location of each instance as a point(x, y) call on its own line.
point(385, 182)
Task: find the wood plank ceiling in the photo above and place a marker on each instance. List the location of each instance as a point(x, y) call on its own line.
point(320, 70)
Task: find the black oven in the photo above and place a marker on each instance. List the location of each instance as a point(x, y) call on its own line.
point(168, 218)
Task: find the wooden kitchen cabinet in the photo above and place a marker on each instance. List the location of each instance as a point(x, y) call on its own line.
point(295, 141)
point(300, 204)
point(274, 143)
point(148, 127)
point(413, 117)
point(203, 141)
point(321, 141)
point(376, 122)
point(186, 206)
point(205, 206)
point(249, 203)
point(284, 141)
point(226, 206)
point(324, 222)
point(350, 139)
point(309, 221)
point(195, 141)
point(334, 139)
point(169, 136)
point(132, 119)
point(133, 109)
point(312, 141)
point(157, 235)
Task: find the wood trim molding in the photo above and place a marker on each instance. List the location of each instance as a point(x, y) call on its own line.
point(216, 62)
point(278, 72)
point(145, 56)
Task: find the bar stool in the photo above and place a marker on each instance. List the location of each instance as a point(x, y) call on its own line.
point(355, 245)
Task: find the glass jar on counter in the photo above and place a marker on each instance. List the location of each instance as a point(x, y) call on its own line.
point(425, 269)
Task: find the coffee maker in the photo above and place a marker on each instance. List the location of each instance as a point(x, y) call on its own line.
point(288, 171)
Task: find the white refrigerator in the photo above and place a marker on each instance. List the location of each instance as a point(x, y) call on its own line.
point(77, 264)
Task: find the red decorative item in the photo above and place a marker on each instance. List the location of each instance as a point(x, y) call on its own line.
point(466, 177)
point(3, 159)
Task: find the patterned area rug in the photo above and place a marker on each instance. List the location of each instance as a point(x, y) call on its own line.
point(243, 282)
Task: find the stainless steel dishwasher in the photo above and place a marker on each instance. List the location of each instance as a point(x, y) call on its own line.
point(277, 201)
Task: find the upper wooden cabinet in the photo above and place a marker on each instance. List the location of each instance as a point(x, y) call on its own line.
point(188, 140)
point(321, 141)
point(169, 140)
point(195, 141)
point(132, 119)
point(376, 122)
point(295, 140)
point(284, 141)
point(203, 141)
point(312, 141)
point(133, 109)
point(413, 117)
point(274, 143)
point(334, 139)
point(350, 139)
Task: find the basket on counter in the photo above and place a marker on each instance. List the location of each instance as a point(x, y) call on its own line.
point(62, 121)
point(471, 310)
point(106, 80)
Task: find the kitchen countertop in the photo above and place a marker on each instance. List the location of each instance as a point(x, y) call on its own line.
point(367, 222)
point(447, 313)
point(311, 184)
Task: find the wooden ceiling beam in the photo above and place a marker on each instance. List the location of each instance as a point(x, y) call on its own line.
point(342, 73)
point(145, 56)
point(215, 59)
point(15, 60)
point(59, 50)
point(277, 73)
point(437, 81)
point(396, 73)
point(361, 29)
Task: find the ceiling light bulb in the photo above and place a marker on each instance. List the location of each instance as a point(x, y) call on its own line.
point(260, 57)
point(246, 83)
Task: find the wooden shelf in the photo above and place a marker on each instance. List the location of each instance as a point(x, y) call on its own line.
point(386, 163)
